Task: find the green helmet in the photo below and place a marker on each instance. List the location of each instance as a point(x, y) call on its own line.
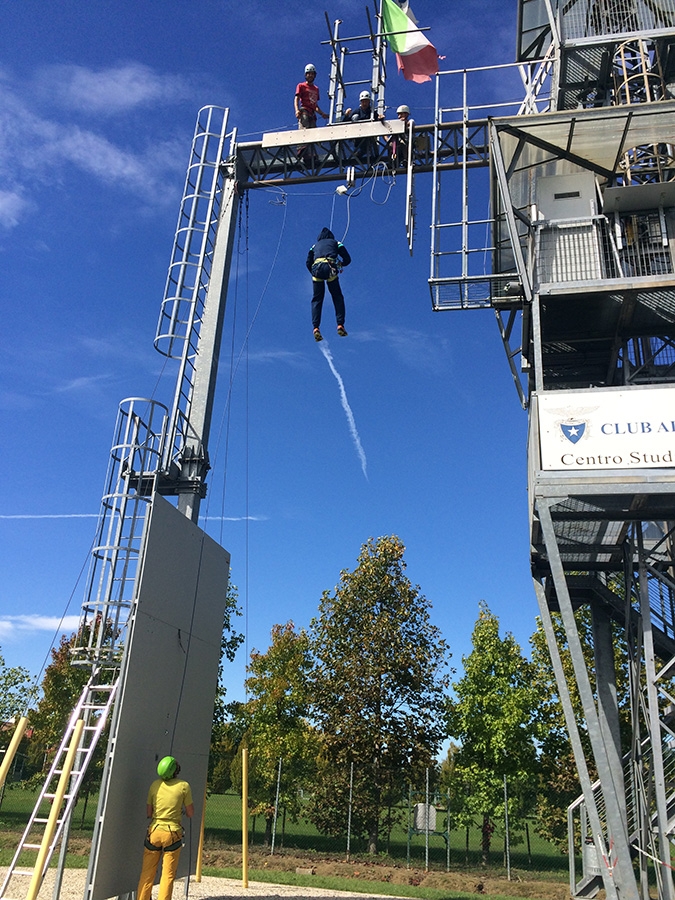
point(166, 767)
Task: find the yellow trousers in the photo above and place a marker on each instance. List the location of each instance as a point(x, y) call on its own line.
point(160, 838)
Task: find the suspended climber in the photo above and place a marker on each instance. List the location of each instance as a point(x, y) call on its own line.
point(324, 261)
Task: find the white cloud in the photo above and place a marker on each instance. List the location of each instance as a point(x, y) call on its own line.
point(81, 384)
point(289, 357)
point(97, 155)
point(12, 205)
point(36, 148)
point(12, 627)
point(416, 349)
point(113, 90)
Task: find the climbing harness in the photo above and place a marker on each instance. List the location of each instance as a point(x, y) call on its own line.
point(325, 269)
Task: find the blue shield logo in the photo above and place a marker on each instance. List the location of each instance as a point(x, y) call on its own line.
point(573, 432)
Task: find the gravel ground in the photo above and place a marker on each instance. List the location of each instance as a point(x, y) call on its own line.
point(210, 888)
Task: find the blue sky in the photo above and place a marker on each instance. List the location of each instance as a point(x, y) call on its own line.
point(97, 108)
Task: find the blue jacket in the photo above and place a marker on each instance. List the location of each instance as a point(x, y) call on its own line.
point(327, 247)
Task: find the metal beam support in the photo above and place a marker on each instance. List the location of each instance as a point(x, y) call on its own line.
point(575, 739)
point(656, 736)
point(500, 170)
point(617, 876)
point(608, 705)
point(557, 152)
point(194, 462)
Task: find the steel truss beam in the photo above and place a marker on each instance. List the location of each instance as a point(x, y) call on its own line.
point(307, 157)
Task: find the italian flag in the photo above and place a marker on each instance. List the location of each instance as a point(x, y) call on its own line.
point(416, 56)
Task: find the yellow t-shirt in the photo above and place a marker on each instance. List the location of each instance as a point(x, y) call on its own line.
point(167, 799)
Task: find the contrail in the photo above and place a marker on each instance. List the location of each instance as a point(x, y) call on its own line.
point(95, 516)
point(55, 516)
point(345, 405)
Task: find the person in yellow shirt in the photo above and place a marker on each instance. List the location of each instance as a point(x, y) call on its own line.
point(168, 798)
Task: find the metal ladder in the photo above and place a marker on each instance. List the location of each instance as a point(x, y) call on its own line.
point(93, 707)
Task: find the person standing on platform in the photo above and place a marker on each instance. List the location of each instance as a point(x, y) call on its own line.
point(168, 797)
point(324, 260)
point(365, 149)
point(365, 111)
point(399, 142)
point(306, 107)
point(307, 100)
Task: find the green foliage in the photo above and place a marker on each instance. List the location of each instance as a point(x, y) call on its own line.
point(274, 724)
point(494, 719)
point(61, 687)
point(378, 690)
point(16, 694)
point(230, 642)
point(223, 743)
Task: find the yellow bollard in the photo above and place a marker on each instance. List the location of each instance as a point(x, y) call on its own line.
point(200, 849)
point(10, 752)
point(244, 817)
point(50, 827)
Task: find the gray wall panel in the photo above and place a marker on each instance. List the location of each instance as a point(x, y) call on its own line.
point(166, 703)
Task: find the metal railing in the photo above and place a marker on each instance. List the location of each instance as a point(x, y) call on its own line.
point(135, 458)
point(595, 248)
point(461, 263)
point(588, 18)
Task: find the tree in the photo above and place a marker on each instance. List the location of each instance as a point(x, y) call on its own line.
point(494, 719)
point(223, 747)
point(16, 693)
point(276, 726)
point(378, 689)
point(61, 686)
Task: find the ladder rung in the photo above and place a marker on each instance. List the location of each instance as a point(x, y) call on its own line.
point(94, 704)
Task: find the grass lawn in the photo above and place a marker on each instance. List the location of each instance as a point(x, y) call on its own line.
point(299, 844)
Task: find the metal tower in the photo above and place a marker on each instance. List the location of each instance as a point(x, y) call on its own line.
point(564, 226)
point(583, 215)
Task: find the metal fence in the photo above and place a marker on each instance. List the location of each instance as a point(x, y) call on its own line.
point(417, 833)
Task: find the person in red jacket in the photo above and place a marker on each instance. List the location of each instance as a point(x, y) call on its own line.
point(307, 100)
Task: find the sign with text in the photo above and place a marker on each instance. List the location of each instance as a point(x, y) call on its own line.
point(607, 429)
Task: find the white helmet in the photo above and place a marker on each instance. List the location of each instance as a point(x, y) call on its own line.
point(364, 95)
point(403, 109)
point(310, 68)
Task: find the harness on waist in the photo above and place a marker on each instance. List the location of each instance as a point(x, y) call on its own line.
point(157, 847)
point(325, 269)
